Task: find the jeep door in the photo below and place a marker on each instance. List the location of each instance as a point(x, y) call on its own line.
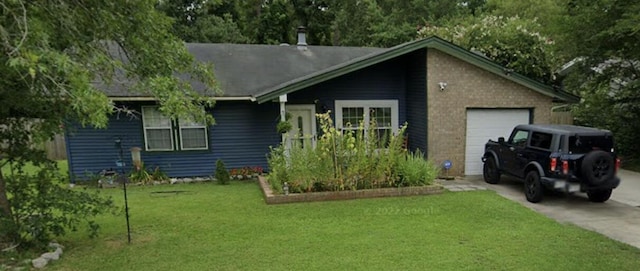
point(513, 157)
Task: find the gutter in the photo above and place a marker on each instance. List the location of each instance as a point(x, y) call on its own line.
point(152, 99)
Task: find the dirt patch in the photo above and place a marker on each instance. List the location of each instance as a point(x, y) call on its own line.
point(169, 193)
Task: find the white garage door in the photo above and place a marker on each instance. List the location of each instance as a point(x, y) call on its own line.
point(485, 124)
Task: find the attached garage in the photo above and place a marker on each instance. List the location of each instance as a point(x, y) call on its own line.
point(485, 124)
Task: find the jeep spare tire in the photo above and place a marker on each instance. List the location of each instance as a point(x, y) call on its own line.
point(597, 167)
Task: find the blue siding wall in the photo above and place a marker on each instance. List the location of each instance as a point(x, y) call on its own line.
point(417, 100)
point(241, 137)
point(384, 81)
point(402, 79)
point(245, 130)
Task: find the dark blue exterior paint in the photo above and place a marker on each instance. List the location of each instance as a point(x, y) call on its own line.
point(241, 137)
point(402, 79)
point(417, 100)
point(245, 130)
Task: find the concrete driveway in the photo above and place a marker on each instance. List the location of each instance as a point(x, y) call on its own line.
point(618, 218)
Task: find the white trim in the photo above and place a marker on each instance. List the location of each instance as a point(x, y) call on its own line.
point(145, 128)
point(366, 105)
point(200, 126)
point(176, 133)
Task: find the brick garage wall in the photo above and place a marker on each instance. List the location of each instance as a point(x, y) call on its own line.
point(469, 87)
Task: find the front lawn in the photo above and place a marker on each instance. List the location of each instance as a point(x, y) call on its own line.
point(215, 227)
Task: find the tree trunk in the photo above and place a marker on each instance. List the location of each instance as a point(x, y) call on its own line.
point(5, 207)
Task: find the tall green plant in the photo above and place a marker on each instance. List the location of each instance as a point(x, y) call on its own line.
point(350, 159)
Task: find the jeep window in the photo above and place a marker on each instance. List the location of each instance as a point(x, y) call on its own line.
point(541, 140)
point(585, 144)
point(519, 138)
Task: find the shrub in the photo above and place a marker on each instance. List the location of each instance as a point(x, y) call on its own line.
point(348, 160)
point(159, 175)
point(415, 170)
point(140, 175)
point(43, 209)
point(221, 174)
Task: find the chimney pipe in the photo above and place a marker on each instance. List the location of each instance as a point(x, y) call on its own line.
point(302, 38)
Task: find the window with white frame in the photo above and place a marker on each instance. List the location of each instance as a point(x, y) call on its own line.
point(350, 113)
point(163, 134)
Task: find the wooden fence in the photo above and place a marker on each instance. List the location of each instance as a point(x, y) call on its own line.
point(562, 118)
point(56, 148)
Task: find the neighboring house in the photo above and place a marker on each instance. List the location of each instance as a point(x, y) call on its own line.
point(452, 99)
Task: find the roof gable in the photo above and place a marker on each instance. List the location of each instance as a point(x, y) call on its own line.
point(405, 48)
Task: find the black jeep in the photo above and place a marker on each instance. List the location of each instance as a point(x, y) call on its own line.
point(561, 157)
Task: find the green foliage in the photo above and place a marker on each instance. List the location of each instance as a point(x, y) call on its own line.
point(417, 171)
point(43, 209)
point(204, 21)
point(604, 35)
point(221, 174)
point(159, 175)
point(141, 175)
point(57, 56)
point(283, 127)
point(346, 160)
point(513, 42)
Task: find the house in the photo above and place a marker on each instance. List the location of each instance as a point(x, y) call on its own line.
point(453, 100)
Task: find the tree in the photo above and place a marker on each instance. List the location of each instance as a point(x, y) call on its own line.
point(604, 34)
point(204, 21)
point(54, 54)
point(513, 42)
point(350, 32)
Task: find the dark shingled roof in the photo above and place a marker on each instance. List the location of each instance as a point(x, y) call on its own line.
point(263, 72)
point(247, 69)
point(244, 70)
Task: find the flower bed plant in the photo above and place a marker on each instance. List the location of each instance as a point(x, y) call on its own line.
point(246, 173)
point(350, 159)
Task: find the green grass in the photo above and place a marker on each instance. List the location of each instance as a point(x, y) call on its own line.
point(230, 228)
point(63, 168)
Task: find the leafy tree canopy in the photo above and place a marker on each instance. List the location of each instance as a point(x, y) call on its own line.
point(55, 53)
point(513, 42)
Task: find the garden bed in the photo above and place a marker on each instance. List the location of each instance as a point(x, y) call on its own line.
point(271, 198)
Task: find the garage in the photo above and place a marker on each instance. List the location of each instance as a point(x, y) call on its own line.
point(485, 124)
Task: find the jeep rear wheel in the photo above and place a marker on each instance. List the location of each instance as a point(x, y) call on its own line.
point(600, 195)
point(490, 171)
point(597, 167)
point(533, 189)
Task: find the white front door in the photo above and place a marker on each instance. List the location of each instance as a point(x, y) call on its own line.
point(303, 125)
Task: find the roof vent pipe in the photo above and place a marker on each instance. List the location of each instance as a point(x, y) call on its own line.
point(302, 38)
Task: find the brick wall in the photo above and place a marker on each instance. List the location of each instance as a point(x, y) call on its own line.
point(468, 87)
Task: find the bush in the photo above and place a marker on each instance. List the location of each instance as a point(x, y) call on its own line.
point(348, 160)
point(43, 209)
point(221, 174)
point(140, 175)
point(415, 170)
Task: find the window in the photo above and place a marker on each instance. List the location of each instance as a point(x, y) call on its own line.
point(162, 134)
point(541, 140)
point(519, 138)
point(157, 130)
point(349, 115)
